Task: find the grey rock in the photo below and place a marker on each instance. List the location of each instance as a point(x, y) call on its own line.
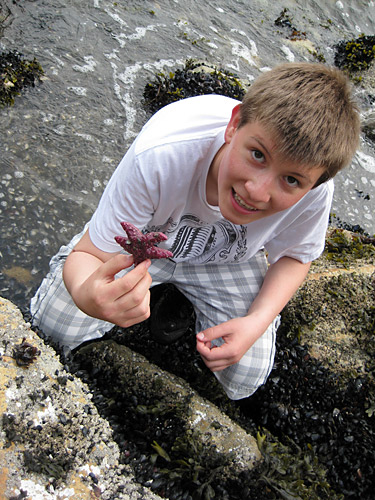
point(53, 443)
point(134, 376)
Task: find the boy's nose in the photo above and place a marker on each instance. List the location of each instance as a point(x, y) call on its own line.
point(259, 188)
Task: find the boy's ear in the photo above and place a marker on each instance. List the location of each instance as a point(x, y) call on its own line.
point(233, 124)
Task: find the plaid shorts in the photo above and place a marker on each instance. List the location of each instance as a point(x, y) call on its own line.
point(217, 292)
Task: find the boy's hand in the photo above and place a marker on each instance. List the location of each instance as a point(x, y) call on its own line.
point(281, 281)
point(124, 301)
point(238, 334)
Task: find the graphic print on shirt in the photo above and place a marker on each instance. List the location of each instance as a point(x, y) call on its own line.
point(193, 240)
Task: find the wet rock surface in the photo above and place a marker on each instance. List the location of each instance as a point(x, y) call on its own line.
point(53, 442)
point(158, 423)
point(314, 417)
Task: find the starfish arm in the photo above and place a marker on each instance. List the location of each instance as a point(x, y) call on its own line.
point(132, 231)
point(155, 237)
point(142, 245)
point(158, 253)
point(124, 242)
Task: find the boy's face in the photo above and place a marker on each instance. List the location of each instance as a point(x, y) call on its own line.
point(249, 180)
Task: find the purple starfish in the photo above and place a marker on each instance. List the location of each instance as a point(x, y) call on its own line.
point(142, 246)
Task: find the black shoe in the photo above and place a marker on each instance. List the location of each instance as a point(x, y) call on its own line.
point(171, 314)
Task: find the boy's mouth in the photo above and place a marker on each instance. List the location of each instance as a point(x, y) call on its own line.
point(242, 204)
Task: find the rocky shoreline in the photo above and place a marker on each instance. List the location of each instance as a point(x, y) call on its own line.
point(53, 444)
point(110, 423)
point(125, 418)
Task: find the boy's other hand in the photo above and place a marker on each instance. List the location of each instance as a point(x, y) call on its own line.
point(124, 301)
point(238, 336)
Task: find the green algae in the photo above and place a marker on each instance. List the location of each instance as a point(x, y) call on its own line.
point(290, 472)
point(345, 248)
point(355, 55)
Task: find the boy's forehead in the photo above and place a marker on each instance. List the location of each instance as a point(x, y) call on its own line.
point(264, 132)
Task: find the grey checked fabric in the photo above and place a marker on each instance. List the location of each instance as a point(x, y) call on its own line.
point(217, 292)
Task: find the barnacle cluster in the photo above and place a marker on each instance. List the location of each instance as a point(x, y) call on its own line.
point(356, 54)
point(15, 74)
point(195, 78)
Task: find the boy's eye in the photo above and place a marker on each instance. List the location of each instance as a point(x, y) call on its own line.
point(292, 181)
point(257, 155)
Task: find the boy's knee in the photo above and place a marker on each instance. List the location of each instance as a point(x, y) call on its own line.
point(239, 391)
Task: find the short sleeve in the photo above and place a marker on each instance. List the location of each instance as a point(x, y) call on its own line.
point(303, 237)
point(126, 198)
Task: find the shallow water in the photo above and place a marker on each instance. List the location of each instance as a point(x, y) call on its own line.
point(62, 139)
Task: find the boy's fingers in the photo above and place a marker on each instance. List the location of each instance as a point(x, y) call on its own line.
point(129, 280)
point(136, 314)
point(211, 352)
point(116, 264)
point(137, 280)
point(214, 332)
point(213, 358)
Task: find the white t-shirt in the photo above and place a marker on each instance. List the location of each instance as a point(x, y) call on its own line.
point(160, 185)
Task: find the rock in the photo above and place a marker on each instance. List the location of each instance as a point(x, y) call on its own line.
point(53, 443)
point(369, 119)
point(333, 309)
point(133, 377)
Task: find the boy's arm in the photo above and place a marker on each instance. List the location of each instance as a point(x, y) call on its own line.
point(281, 282)
point(89, 276)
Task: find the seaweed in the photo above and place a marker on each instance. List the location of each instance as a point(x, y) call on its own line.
point(193, 79)
point(15, 74)
point(285, 21)
point(25, 353)
point(345, 247)
point(355, 55)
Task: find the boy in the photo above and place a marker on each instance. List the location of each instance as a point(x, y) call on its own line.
point(225, 181)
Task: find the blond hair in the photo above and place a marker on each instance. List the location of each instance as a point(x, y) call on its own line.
point(311, 112)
